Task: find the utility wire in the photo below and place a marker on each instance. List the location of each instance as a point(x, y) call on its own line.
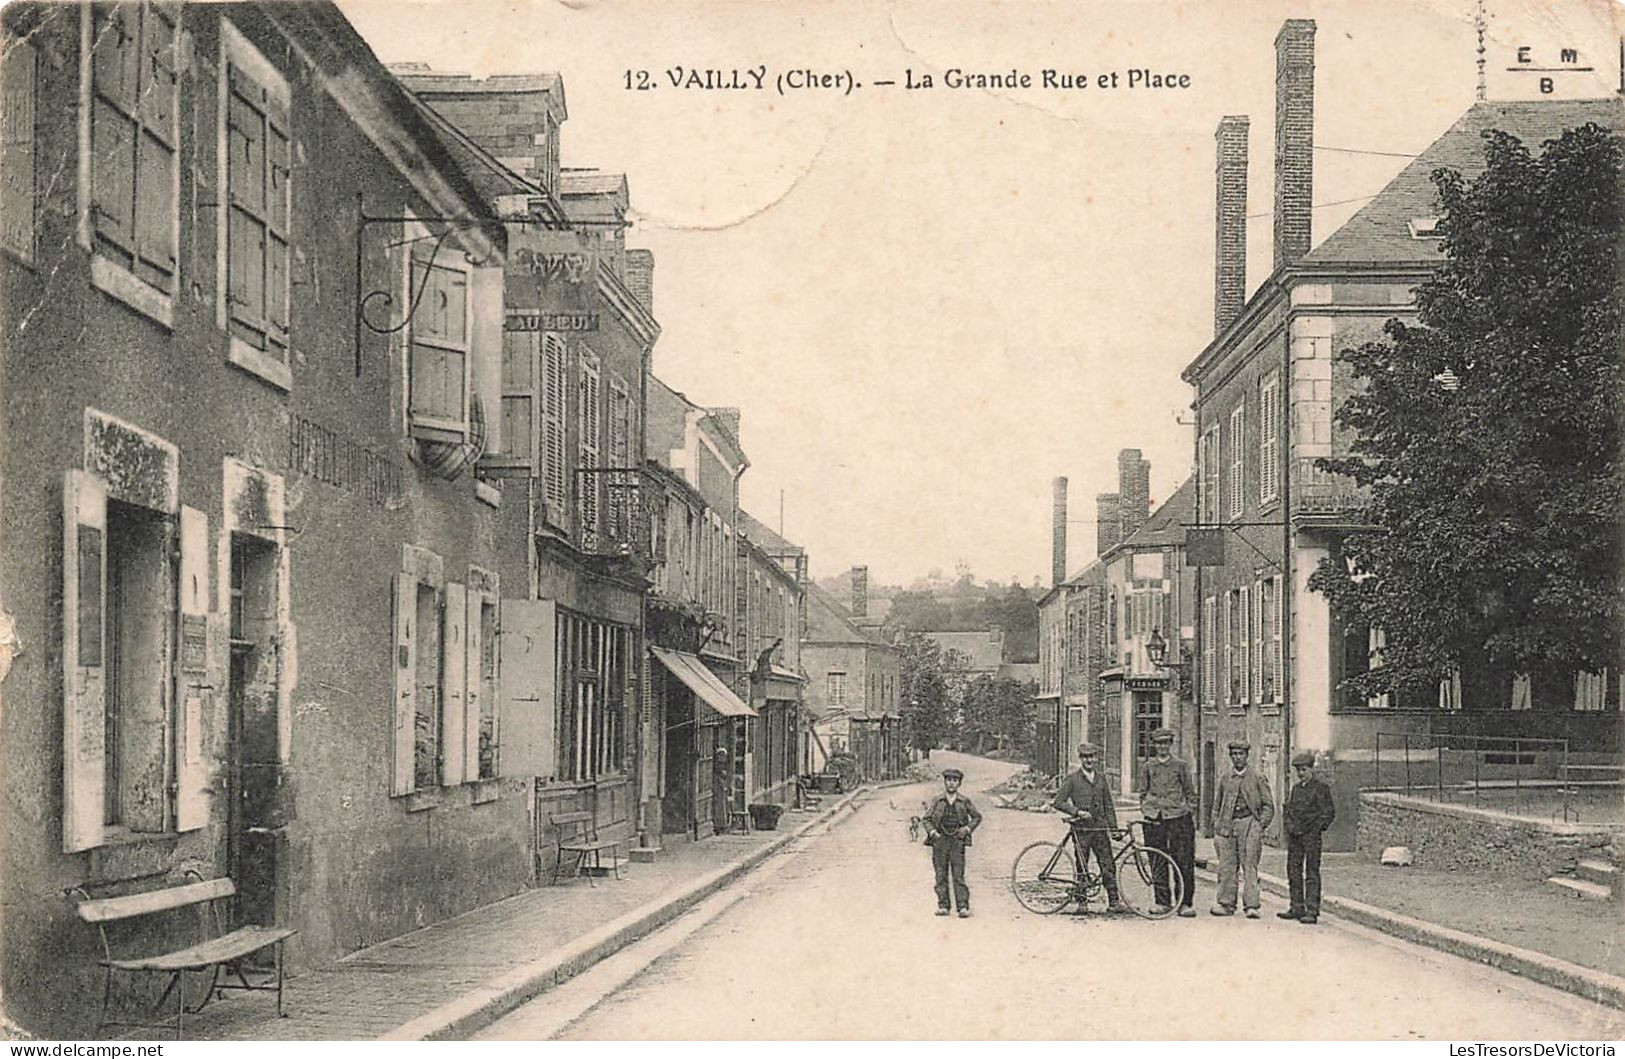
point(1356, 150)
point(1321, 205)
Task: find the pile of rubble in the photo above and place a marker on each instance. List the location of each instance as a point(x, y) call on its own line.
point(1028, 790)
point(923, 769)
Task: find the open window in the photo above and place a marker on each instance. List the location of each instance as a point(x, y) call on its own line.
point(132, 576)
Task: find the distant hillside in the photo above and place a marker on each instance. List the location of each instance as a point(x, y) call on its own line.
point(938, 605)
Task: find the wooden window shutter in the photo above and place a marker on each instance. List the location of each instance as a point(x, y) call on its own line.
point(405, 665)
point(115, 66)
point(453, 683)
point(84, 667)
point(17, 149)
point(1279, 621)
point(1246, 659)
point(473, 696)
point(527, 652)
point(155, 151)
point(1258, 641)
point(191, 676)
point(555, 366)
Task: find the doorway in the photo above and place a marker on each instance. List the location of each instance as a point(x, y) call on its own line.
point(253, 813)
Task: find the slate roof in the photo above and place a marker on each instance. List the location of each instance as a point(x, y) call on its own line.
point(981, 652)
point(1380, 231)
point(764, 538)
point(1166, 526)
point(829, 622)
point(591, 182)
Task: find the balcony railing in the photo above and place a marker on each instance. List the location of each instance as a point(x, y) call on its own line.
point(613, 509)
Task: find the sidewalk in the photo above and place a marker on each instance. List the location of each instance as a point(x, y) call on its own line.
point(1521, 927)
point(1529, 915)
point(463, 972)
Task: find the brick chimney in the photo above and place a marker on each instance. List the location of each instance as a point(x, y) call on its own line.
point(1230, 220)
point(516, 117)
point(1294, 138)
point(1133, 490)
point(1108, 522)
point(1058, 532)
point(860, 591)
point(640, 276)
point(729, 418)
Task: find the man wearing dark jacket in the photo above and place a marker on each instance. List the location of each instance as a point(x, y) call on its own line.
point(948, 825)
point(1307, 814)
point(1087, 801)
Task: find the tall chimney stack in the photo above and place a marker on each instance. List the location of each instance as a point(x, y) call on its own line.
point(1057, 566)
point(1133, 490)
point(1230, 220)
point(1108, 522)
point(860, 591)
point(1294, 138)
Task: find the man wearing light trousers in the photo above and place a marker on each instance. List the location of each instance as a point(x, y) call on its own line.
point(1242, 810)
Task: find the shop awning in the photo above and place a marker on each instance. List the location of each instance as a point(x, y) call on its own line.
point(702, 682)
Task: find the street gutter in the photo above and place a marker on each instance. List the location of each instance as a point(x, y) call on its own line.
point(484, 1004)
point(1597, 986)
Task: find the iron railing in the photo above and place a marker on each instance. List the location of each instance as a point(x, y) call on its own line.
point(1526, 776)
point(613, 511)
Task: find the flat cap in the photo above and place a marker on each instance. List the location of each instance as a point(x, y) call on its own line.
point(1087, 748)
point(1304, 757)
point(1240, 744)
point(1162, 735)
point(952, 774)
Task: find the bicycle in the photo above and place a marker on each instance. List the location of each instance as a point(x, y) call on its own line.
point(1045, 879)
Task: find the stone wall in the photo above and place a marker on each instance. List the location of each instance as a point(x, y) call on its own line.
point(1457, 838)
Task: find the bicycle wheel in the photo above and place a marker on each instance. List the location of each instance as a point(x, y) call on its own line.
point(1044, 878)
point(1138, 869)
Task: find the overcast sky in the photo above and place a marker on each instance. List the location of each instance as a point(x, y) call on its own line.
point(930, 303)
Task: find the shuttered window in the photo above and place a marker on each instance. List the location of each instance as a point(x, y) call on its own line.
point(133, 117)
point(555, 366)
point(439, 368)
point(1208, 465)
point(1269, 430)
point(258, 195)
point(1238, 465)
point(519, 393)
point(1209, 651)
point(17, 75)
point(590, 423)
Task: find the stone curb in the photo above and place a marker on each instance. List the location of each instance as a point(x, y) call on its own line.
point(498, 996)
point(1597, 986)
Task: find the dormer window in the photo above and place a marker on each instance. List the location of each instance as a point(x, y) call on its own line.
point(1425, 228)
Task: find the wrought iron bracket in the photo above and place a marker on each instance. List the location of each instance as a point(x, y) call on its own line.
point(368, 303)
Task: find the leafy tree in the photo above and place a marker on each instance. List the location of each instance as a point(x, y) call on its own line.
point(998, 714)
point(1488, 435)
point(925, 706)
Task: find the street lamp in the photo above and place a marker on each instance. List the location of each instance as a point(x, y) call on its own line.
point(1156, 649)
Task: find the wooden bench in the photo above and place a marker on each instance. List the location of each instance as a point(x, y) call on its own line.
point(219, 952)
point(584, 842)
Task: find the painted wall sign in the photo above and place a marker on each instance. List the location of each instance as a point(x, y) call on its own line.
point(532, 320)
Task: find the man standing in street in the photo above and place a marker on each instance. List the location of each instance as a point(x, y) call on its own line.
point(1242, 810)
point(1308, 812)
point(1087, 801)
point(1168, 803)
point(948, 825)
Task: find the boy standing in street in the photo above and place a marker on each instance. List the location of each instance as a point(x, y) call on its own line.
point(1168, 802)
point(1307, 814)
point(948, 825)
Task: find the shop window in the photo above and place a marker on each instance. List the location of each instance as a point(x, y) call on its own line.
point(594, 690)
